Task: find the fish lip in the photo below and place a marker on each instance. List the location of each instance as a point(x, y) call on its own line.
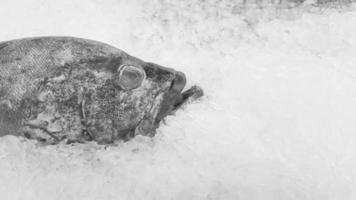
point(178, 82)
point(177, 90)
point(176, 96)
point(183, 96)
point(171, 97)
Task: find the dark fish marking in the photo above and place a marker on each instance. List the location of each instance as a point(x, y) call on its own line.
point(3, 92)
point(45, 131)
point(3, 45)
point(9, 119)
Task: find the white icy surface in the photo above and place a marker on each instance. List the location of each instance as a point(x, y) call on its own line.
point(278, 120)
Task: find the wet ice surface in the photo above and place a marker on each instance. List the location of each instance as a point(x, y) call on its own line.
point(277, 120)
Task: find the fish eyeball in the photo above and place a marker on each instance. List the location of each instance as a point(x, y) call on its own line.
point(130, 77)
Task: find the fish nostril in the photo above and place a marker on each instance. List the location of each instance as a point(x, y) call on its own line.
point(179, 82)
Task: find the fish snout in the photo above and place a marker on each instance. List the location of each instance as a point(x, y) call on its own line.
point(179, 82)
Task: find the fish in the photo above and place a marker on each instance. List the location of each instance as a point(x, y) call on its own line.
point(67, 89)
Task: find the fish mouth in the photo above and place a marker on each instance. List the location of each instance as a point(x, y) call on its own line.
point(183, 97)
point(175, 98)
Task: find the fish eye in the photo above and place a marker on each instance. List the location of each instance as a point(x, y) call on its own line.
point(130, 77)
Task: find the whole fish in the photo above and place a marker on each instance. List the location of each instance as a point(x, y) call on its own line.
point(56, 89)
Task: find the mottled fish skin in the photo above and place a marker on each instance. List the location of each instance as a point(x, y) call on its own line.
point(57, 89)
point(28, 59)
